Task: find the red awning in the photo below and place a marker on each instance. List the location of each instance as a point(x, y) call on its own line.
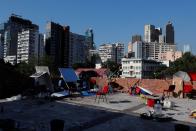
point(192, 76)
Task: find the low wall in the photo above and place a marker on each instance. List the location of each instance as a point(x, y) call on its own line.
point(155, 85)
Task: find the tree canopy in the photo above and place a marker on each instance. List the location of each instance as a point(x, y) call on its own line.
point(186, 63)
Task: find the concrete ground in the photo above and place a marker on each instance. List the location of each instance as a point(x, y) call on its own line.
point(119, 113)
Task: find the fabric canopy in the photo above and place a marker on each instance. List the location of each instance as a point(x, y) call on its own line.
point(68, 74)
point(192, 76)
point(187, 88)
point(183, 75)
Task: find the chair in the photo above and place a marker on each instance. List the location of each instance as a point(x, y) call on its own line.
point(102, 93)
point(187, 89)
point(169, 90)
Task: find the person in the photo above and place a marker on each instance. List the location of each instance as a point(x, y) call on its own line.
point(110, 88)
point(95, 87)
point(133, 90)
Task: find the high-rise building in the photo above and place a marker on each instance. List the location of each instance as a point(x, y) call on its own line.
point(151, 50)
point(1, 47)
point(107, 52)
point(137, 49)
point(119, 52)
point(77, 49)
point(57, 44)
point(161, 39)
point(41, 46)
point(111, 52)
point(27, 47)
point(15, 25)
point(155, 34)
point(148, 33)
point(130, 47)
point(90, 39)
point(136, 38)
point(170, 33)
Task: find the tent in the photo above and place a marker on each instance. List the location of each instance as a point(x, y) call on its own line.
point(68, 75)
point(192, 76)
point(42, 76)
point(184, 75)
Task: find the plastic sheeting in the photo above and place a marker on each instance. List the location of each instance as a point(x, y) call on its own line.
point(183, 75)
point(68, 74)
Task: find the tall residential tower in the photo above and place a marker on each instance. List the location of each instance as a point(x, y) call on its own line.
point(170, 33)
point(57, 44)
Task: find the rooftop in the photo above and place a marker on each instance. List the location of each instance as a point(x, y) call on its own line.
point(121, 112)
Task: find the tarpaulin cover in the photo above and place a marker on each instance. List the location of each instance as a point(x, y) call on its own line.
point(192, 76)
point(68, 74)
point(187, 88)
point(184, 75)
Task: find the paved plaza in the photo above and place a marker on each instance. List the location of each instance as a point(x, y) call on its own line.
point(120, 113)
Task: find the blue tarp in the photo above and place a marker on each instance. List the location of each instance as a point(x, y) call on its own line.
point(86, 93)
point(68, 74)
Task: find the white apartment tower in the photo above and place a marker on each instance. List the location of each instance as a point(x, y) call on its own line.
point(107, 52)
point(148, 32)
point(27, 49)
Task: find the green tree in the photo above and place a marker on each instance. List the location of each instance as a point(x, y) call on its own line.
point(113, 67)
point(25, 68)
point(186, 63)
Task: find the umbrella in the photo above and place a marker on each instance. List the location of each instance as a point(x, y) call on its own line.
point(183, 75)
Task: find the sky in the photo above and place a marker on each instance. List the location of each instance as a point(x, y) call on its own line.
point(111, 20)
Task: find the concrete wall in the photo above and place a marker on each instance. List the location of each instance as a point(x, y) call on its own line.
point(155, 85)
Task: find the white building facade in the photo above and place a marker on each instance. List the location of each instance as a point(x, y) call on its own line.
point(107, 52)
point(27, 49)
point(152, 50)
point(138, 68)
point(148, 32)
point(137, 49)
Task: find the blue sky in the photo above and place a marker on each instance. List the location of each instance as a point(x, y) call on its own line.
point(111, 20)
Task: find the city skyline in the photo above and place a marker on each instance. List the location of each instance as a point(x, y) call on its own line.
point(112, 21)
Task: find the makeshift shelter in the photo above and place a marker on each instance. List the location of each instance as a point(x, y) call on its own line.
point(68, 75)
point(192, 76)
point(42, 77)
point(183, 75)
point(184, 82)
